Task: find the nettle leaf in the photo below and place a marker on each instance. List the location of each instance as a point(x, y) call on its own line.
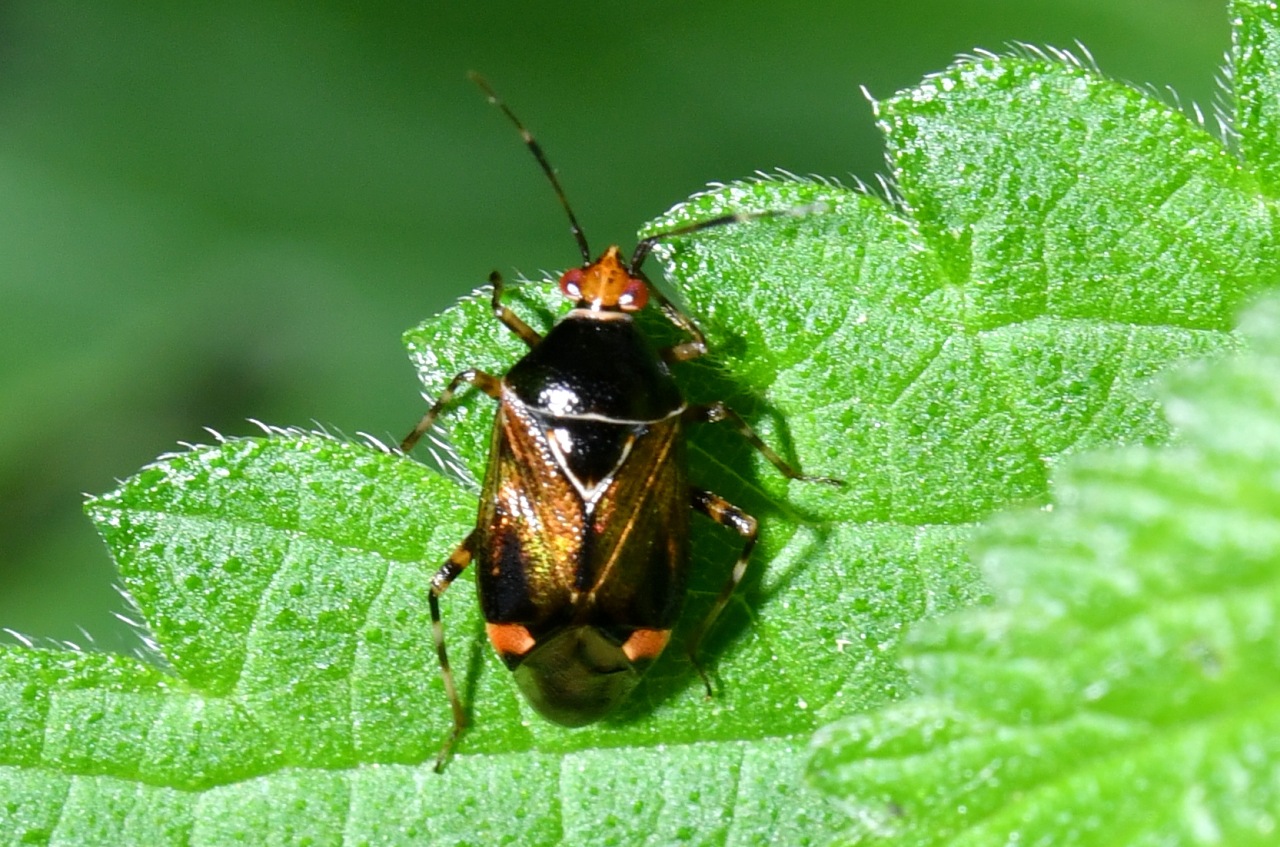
point(1124, 687)
point(1255, 68)
point(1059, 239)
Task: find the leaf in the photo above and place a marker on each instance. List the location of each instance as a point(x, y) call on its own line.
point(1124, 687)
point(1255, 67)
point(940, 354)
point(1115, 692)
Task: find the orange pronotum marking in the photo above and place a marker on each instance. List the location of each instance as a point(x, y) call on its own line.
point(645, 644)
point(510, 639)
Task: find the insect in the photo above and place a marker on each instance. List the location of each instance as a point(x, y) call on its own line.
point(581, 541)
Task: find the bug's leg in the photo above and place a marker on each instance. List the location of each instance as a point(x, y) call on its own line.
point(724, 513)
point(448, 572)
point(509, 318)
point(689, 349)
point(717, 412)
point(487, 383)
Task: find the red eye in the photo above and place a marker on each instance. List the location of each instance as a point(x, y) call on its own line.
point(570, 283)
point(634, 296)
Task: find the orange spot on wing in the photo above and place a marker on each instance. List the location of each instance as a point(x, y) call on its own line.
point(509, 639)
point(645, 644)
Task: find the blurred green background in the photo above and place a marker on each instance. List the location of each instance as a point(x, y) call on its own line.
point(210, 212)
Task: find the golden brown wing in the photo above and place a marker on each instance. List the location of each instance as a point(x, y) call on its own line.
point(531, 525)
point(638, 549)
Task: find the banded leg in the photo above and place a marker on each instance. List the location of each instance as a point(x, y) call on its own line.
point(680, 352)
point(444, 577)
point(487, 383)
point(724, 513)
point(509, 318)
point(718, 412)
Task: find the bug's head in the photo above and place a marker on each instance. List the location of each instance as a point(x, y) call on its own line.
point(605, 285)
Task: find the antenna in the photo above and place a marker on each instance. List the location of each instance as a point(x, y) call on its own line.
point(646, 245)
point(536, 150)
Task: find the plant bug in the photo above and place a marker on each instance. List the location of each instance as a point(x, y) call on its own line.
point(581, 541)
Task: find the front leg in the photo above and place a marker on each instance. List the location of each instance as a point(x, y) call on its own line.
point(509, 318)
point(487, 383)
point(692, 349)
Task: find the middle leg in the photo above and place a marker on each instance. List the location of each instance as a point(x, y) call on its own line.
point(717, 412)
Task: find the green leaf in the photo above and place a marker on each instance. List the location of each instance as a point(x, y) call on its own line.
point(941, 354)
point(1119, 690)
point(1255, 67)
point(1124, 687)
point(1067, 194)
